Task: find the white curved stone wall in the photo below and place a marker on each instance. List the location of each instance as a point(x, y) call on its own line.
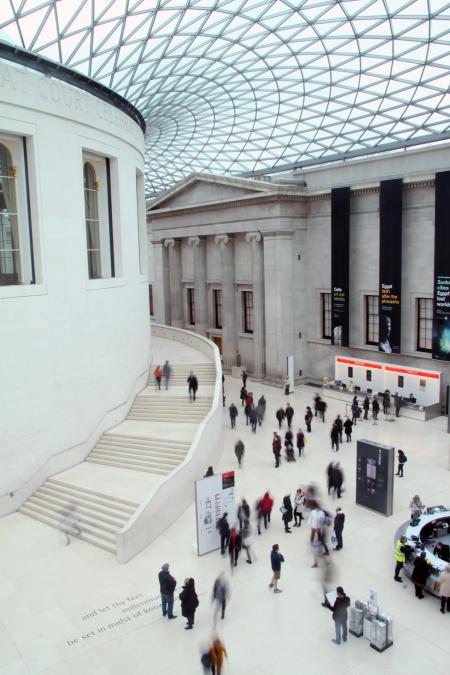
point(74, 350)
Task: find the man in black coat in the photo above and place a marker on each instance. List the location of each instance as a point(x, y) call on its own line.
point(340, 615)
point(224, 530)
point(233, 414)
point(167, 585)
point(339, 520)
point(289, 414)
point(420, 574)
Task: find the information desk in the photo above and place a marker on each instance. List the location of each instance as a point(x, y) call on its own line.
point(432, 527)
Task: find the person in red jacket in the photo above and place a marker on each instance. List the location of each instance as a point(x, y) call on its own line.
point(266, 505)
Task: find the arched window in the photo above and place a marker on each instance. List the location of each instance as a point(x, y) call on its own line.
point(10, 272)
point(92, 221)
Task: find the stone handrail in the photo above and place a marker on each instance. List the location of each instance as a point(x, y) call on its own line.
point(172, 496)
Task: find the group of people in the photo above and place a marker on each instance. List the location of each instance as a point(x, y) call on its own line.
point(159, 373)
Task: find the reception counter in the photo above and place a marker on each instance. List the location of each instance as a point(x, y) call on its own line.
point(432, 527)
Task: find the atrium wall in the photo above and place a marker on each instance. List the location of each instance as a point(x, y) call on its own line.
point(286, 232)
point(75, 341)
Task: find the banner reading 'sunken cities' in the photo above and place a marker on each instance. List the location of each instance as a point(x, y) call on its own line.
point(390, 266)
point(441, 307)
point(340, 240)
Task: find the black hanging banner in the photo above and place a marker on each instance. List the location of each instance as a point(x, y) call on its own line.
point(340, 240)
point(441, 305)
point(390, 265)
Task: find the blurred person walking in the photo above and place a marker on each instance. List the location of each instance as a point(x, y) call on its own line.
point(243, 513)
point(246, 535)
point(217, 654)
point(157, 374)
point(167, 372)
point(239, 450)
point(266, 505)
point(334, 435)
point(276, 558)
point(224, 531)
point(289, 413)
point(276, 448)
point(220, 596)
point(301, 442)
point(253, 416)
point(348, 425)
point(192, 386)
point(280, 415)
point(234, 546)
point(242, 395)
point(443, 587)
point(308, 419)
point(366, 407)
point(233, 412)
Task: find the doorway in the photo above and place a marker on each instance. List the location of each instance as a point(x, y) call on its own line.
point(218, 341)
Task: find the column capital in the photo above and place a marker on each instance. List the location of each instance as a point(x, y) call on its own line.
point(193, 241)
point(169, 242)
point(253, 236)
point(222, 239)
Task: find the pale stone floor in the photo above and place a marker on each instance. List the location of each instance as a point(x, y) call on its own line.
point(51, 595)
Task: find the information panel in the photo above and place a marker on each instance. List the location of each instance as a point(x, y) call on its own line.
point(340, 240)
point(375, 476)
point(390, 266)
point(441, 309)
point(214, 496)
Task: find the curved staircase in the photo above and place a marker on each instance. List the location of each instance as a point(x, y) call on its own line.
point(128, 463)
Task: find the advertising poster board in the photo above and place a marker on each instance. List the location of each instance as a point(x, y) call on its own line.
point(214, 496)
point(375, 476)
point(340, 242)
point(441, 307)
point(390, 266)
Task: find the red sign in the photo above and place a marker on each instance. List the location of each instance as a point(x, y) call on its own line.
point(364, 364)
point(409, 371)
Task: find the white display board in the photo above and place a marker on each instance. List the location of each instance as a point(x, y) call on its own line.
point(214, 496)
point(424, 385)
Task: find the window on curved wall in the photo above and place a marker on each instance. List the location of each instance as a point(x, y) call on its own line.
point(98, 217)
point(16, 258)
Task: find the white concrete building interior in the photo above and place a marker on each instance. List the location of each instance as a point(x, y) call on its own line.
point(209, 188)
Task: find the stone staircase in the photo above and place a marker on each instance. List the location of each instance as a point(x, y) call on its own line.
point(138, 453)
point(205, 373)
point(98, 516)
point(170, 409)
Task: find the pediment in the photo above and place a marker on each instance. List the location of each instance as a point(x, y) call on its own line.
point(205, 189)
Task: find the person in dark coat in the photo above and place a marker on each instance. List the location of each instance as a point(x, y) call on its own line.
point(338, 525)
point(224, 530)
point(243, 395)
point(209, 472)
point(253, 417)
point(280, 415)
point(420, 574)
point(300, 442)
point(276, 448)
point(260, 412)
point(233, 414)
point(402, 459)
point(375, 409)
point(317, 400)
point(262, 403)
point(239, 450)
point(234, 546)
point(397, 404)
point(244, 377)
point(322, 408)
point(167, 585)
point(192, 386)
point(189, 602)
point(247, 410)
point(288, 437)
point(386, 402)
point(288, 512)
point(340, 614)
point(339, 426)
point(366, 407)
point(334, 437)
point(348, 425)
point(308, 419)
point(289, 412)
point(330, 477)
point(338, 479)
point(355, 411)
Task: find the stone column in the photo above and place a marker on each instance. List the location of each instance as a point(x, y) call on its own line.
point(161, 283)
point(228, 300)
point(279, 299)
point(176, 291)
point(201, 308)
point(255, 239)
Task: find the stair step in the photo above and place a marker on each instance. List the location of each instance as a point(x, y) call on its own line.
point(161, 449)
point(81, 497)
point(57, 522)
point(127, 459)
point(125, 502)
point(126, 466)
point(48, 491)
point(60, 509)
point(82, 536)
point(59, 502)
point(156, 441)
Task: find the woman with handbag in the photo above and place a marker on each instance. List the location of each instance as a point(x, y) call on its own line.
point(189, 602)
point(299, 504)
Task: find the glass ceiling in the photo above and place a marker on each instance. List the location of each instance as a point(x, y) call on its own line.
point(239, 86)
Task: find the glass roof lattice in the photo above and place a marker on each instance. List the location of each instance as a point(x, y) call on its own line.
point(242, 86)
